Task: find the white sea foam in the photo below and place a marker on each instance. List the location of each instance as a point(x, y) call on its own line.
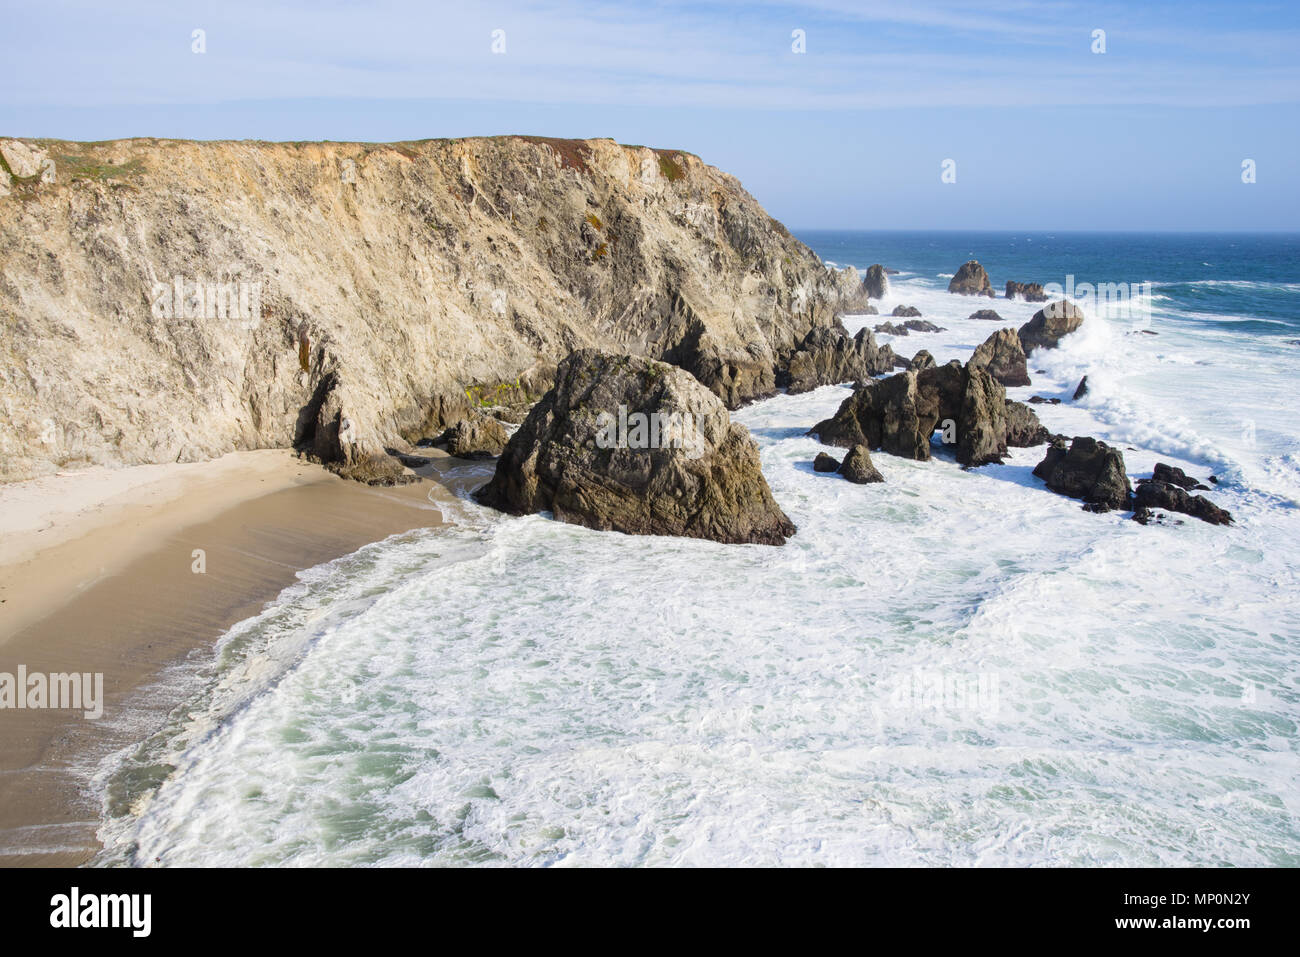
point(522, 691)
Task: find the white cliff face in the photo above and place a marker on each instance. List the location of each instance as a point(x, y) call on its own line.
point(170, 301)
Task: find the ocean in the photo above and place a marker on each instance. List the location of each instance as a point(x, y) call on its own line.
point(950, 668)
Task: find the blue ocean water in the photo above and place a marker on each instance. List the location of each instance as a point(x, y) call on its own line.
point(1251, 278)
point(948, 668)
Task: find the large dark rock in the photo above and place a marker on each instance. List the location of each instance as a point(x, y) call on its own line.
point(1023, 428)
point(826, 463)
point(1082, 389)
point(627, 443)
point(859, 468)
point(1049, 325)
point(982, 425)
point(1028, 291)
point(899, 415)
point(986, 315)
point(876, 283)
point(1089, 470)
point(906, 312)
point(828, 356)
point(1001, 354)
point(911, 325)
point(971, 280)
point(1152, 494)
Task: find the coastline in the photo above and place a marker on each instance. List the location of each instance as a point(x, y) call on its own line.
point(98, 574)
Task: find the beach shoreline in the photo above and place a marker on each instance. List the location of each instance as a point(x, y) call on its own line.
point(131, 572)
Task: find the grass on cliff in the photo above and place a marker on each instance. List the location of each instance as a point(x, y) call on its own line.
point(573, 153)
point(88, 169)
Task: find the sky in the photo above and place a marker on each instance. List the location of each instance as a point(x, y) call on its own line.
point(1038, 120)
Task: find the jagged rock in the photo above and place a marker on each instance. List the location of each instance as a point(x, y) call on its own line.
point(1039, 400)
point(1144, 516)
point(876, 282)
point(627, 443)
point(1089, 470)
point(1082, 389)
point(1028, 291)
point(905, 312)
point(1023, 428)
point(373, 468)
point(986, 315)
point(971, 280)
point(828, 356)
point(1049, 325)
point(1001, 354)
point(900, 414)
point(982, 426)
point(1175, 476)
point(1152, 494)
point(826, 463)
point(477, 438)
point(859, 468)
point(922, 360)
point(911, 325)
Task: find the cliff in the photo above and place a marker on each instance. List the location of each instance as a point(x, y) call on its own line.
point(170, 301)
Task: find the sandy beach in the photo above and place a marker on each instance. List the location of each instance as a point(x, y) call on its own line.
point(131, 571)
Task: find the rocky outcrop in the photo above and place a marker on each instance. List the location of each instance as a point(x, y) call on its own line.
point(1040, 400)
point(858, 467)
point(479, 437)
point(922, 360)
point(165, 300)
point(1049, 325)
point(876, 282)
point(828, 356)
point(1081, 390)
point(985, 315)
point(906, 312)
point(1028, 291)
point(826, 463)
point(899, 415)
point(1154, 494)
point(911, 325)
point(1089, 470)
point(1001, 354)
point(1023, 428)
point(971, 280)
point(1171, 475)
point(638, 446)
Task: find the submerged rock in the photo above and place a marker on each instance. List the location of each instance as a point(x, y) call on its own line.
point(1049, 325)
point(859, 468)
point(1175, 476)
point(1028, 291)
point(638, 446)
point(986, 315)
point(911, 325)
point(1039, 400)
point(1152, 494)
point(1001, 354)
point(971, 280)
point(1089, 470)
point(906, 312)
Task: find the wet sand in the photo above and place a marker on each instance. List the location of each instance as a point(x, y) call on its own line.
point(98, 574)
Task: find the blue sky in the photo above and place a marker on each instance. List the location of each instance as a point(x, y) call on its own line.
point(1044, 132)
